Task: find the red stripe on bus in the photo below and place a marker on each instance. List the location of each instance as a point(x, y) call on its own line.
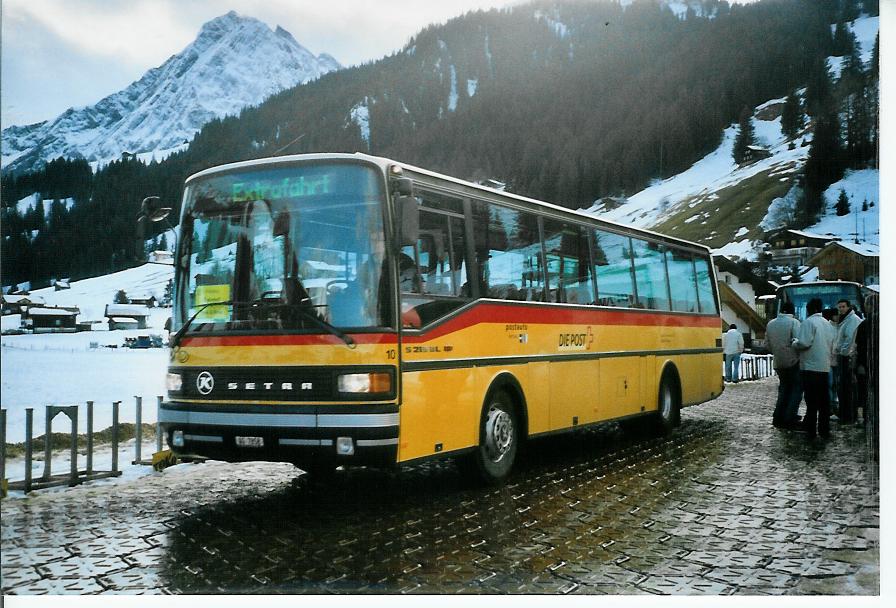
point(491, 313)
point(289, 340)
point(484, 313)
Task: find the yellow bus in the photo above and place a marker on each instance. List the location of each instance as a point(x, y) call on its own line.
point(344, 309)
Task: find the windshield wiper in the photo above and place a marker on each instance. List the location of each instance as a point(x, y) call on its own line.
point(306, 314)
point(179, 334)
point(309, 315)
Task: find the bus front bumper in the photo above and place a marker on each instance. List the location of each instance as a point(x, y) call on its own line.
point(351, 435)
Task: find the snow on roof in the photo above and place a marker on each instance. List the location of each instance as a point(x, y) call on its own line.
point(125, 310)
point(11, 299)
point(123, 320)
point(811, 235)
point(866, 249)
point(51, 312)
point(771, 102)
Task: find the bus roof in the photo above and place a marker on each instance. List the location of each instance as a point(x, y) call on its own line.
point(385, 164)
point(813, 283)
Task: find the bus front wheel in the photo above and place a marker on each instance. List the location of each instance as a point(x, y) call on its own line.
point(499, 437)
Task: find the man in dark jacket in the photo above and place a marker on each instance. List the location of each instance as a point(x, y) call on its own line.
point(867, 352)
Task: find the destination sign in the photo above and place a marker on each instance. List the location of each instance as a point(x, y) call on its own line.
point(274, 189)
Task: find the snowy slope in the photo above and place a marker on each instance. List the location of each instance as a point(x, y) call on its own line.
point(92, 295)
point(693, 194)
point(714, 172)
point(234, 62)
point(859, 186)
point(46, 369)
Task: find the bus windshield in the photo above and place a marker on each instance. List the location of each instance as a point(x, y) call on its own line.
point(828, 293)
point(284, 248)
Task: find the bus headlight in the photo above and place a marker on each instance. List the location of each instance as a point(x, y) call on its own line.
point(174, 382)
point(378, 382)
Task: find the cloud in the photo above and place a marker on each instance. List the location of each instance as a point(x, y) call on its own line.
point(62, 53)
point(138, 32)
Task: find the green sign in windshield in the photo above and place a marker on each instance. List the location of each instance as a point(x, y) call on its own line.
point(276, 189)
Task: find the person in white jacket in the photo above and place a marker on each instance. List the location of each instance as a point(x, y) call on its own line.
point(732, 347)
point(814, 342)
point(845, 348)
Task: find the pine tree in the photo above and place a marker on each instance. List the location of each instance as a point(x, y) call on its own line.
point(824, 166)
point(745, 136)
point(842, 206)
point(818, 86)
point(792, 116)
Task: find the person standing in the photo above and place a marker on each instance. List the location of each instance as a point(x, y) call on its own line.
point(779, 335)
point(846, 350)
point(814, 345)
point(833, 319)
point(867, 353)
point(732, 347)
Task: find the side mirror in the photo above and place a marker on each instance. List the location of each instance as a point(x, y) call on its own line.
point(409, 220)
point(151, 208)
point(403, 186)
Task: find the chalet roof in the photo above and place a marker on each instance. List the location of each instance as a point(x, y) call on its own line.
point(865, 250)
point(760, 286)
point(741, 308)
point(125, 310)
point(123, 320)
point(803, 233)
point(11, 299)
point(52, 312)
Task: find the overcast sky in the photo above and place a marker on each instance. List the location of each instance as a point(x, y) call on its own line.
point(62, 53)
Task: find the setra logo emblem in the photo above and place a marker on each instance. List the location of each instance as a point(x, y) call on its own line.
point(205, 382)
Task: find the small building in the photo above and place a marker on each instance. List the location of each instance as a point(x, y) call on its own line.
point(739, 290)
point(146, 300)
point(14, 304)
point(60, 284)
point(161, 257)
point(795, 247)
point(754, 153)
point(858, 262)
point(126, 316)
point(124, 323)
point(44, 320)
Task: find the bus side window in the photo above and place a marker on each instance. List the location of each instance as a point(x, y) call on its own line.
point(433, 272)
point(682, 281)
point(704, 286)
point(650, 275)
point(568, 263)
point(509, 250)
point(613, 269)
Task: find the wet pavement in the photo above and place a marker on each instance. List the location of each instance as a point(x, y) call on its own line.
point(725, 505)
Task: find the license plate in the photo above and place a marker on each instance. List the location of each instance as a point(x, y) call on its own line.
point(250, 442)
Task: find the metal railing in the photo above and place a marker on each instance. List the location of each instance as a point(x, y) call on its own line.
point(74, 475)
point(755, 367)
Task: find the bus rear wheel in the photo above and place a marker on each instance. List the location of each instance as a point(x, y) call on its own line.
point(499, 436)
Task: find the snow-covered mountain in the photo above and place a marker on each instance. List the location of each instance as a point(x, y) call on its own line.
point(234, 62)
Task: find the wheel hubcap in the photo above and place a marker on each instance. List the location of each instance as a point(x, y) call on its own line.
point(667, 403)
point(498, 434)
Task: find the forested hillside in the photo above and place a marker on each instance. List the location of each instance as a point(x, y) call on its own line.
point(564, 101)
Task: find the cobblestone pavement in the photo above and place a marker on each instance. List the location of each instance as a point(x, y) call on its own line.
point(725, 505)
